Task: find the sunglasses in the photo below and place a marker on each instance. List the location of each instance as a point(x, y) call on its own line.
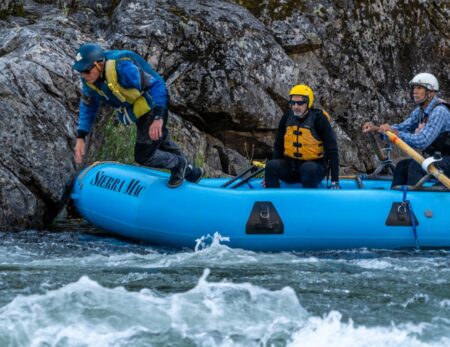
point(88, 71)
point(299, 103)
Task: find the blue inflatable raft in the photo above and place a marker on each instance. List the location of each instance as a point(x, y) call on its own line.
point(134, 202)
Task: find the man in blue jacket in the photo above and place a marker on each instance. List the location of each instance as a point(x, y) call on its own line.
point(427, 129)
point(126, 81)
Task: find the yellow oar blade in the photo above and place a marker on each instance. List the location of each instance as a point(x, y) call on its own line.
point(258, 164)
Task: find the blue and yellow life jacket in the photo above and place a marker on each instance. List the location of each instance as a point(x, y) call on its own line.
point(301, 141)
point(126, 96)
point(129, 84)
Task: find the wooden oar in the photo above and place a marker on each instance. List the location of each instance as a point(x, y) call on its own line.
point(418, 158)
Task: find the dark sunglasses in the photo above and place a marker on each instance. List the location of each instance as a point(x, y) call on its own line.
point(88, 71)
point(299, 103)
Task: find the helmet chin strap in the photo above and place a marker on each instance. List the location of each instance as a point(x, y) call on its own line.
point(420, 102)
point(425, 100)
point(99, 67)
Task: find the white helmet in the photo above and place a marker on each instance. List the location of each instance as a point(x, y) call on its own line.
point(425, 80)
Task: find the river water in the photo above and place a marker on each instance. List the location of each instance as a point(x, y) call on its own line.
point(77, 287)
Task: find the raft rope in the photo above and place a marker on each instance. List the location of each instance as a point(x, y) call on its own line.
point(407, 204)
point(94, 164)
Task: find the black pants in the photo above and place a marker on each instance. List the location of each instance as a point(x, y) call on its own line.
point(309, 173)
point(162, 153)
point(409, 172)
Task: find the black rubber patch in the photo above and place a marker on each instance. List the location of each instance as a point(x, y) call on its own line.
point(264, 219)
point(399, 215)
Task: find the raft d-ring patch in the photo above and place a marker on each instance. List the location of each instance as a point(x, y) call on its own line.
point(264, 219)
point(399, 215)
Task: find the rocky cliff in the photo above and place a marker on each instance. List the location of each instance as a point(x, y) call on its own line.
point(228, 66)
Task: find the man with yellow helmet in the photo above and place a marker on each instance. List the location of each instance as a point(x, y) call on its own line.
point(305, 142)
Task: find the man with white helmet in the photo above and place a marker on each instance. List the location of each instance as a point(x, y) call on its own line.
point(427, 129)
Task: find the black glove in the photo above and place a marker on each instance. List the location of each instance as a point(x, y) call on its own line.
point(81, 134)
point(158, 112)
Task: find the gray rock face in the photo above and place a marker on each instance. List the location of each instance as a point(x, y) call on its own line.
point(228, 69)
point(37, 101)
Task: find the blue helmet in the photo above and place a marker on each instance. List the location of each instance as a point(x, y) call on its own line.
point(87, 55)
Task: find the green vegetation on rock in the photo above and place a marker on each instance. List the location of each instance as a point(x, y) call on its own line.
point(118, 143)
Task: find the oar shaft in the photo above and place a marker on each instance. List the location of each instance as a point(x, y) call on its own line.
point(418, 158)
point(240, 175)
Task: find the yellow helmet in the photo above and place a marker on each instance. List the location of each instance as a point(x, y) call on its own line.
point(303, 90)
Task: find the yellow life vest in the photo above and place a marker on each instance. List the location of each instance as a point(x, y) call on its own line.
point(301, 141)
point(131, 96)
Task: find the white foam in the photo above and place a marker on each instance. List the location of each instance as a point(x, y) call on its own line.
point(445, 303)
point(210, 314)
point(374, 264)
point(332, 331)
point(88, 314)
point(209, 241)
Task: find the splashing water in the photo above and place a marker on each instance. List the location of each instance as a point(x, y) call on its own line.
point(210, 314)
point(210, 241)
point(221, 313)
point(74, 289)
